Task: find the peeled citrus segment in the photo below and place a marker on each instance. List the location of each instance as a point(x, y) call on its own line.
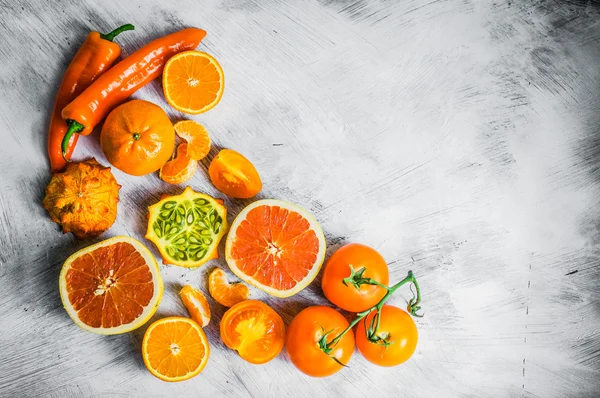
point(187, 228)
point(196, 137)
point(180, 169)
point(175, 349)
point(254, 330)
point(111, 287)
point(225, 293)
point(275, 246)
point(193, 82)
point(196, 304)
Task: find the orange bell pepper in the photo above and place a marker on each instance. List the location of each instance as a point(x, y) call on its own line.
point(96, 54)
point(122, 80)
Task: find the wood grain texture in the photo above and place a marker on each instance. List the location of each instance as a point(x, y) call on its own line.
point(461, 138)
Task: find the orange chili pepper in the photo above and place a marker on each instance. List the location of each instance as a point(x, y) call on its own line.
point(96, 54)
point(122, 80)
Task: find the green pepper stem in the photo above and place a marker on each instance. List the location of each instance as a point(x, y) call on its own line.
point(74, 127)
point(110, 36)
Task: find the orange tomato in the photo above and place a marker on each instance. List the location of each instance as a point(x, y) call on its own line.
point(348, 297)
point(137, 137)
point(398, 328)
point(254, 330)
point(304, 334)
point(234, 175)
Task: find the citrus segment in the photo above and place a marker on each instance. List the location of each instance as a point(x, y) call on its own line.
point(193, 82)
point(254, 330)
point(111, 287)
point(196, 304)
point(276, 246)
point(196, 136)
point(175, 349)
point(223, 292)
point(180, 169)
point(187, 228)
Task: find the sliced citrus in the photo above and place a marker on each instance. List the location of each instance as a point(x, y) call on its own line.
point(223, 292)
point(193, 82)
point(180, 169)
point(254, 330)
point(196, 136)
point(275, 246)
point(111, 287)
point(196, 304)
point(175, 349)
point(187, 228)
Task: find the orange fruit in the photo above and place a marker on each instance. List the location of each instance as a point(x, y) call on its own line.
point(137, 137)
point(175, 349)
point(275, 246)
point(196, 304)
point(234, 175)
point(180, 169)
point(111, 287)
point(193, 82)
point(254, 330)
point(196, 137)
point(223, 292)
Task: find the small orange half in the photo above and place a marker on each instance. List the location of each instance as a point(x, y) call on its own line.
point(225, 293)
point(196, 137)
point(196, 304)
point(180, 169)
point(175, 349)
point(193, 82)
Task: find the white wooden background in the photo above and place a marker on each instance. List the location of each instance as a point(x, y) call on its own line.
point(461, 138)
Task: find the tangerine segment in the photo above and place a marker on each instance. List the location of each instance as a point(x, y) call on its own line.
point(111, 287)
point(196, 137)
point(175, 349)
point(187, 228)
point(254, 330)
point(180, 169)
point(275, 246)
point(193, 82)
point(225, 293)
point(196, 304)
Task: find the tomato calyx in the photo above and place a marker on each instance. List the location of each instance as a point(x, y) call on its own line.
point(327, 348)
point(357, 279)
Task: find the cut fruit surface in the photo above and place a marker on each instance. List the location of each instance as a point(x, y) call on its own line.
point(196, 304)
point(196, 137)
point(254, 330)
point(225, 293)
point(187, 228)
point(193, 82)
point(175, 349)
point(180, 169)
point(275, 246)
point(111, 287)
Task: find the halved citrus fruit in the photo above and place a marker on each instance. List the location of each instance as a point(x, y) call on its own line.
point(175, 349)
point(196, 137)
point(254, 330)
point(193, 82)
point(187, 228)
point(111, 287)
point(180, 169)
point(275, 246)
point(196, 304)
point(223, 292)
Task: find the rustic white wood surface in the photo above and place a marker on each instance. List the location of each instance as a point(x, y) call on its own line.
point(461, 138)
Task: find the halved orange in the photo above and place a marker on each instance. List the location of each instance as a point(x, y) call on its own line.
point(193, 82)
point(223, 292)
point(180, 169)
point(111, 287)
point(275, 246)
point(196, 137)
point(196, 304)
point(254, 330)
point(175, 349)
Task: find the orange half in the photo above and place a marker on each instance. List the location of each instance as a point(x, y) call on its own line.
point(193, 82)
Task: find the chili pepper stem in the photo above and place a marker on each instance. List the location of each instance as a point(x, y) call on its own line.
point(110, 36)
point(74, 127)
